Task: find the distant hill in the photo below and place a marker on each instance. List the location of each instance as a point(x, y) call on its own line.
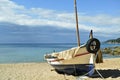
point(113, 41)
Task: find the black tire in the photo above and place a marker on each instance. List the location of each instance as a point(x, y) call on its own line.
point(93, 45)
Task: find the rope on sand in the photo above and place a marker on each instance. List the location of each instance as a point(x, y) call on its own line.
point(83, 76)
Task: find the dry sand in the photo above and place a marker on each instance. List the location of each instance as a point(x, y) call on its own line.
point(110, 70)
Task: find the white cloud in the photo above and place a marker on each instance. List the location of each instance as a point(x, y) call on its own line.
point(18, 14)
point(101, 19)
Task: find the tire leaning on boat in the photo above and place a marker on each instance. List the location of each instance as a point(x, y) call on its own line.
point(93, 45)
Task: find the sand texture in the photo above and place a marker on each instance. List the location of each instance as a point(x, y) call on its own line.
point(110, 70)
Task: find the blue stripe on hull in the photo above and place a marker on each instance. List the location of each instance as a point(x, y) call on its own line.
point(75, 70)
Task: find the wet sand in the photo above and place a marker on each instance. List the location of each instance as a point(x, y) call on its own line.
point(110, 70)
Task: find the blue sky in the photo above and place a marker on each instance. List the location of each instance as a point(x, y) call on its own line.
point(100, 15)
point(87, 6)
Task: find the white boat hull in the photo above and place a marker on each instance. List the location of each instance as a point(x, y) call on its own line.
point(79, 65)
point(75, 61)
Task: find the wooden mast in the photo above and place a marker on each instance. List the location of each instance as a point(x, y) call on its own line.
point(77, 28)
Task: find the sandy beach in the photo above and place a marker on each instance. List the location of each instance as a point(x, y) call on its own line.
point(110, 70)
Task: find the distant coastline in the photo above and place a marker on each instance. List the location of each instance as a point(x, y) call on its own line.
point(113, 41)
point(112, 50)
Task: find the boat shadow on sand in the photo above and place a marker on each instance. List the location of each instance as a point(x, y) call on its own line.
point(113, 73)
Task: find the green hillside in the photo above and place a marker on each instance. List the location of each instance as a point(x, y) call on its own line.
point(113, 41)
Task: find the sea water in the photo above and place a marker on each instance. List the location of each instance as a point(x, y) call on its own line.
point(34, 52)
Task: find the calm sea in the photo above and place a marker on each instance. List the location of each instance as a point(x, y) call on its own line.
point(24, 53)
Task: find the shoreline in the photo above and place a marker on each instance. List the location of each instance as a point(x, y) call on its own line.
point(110, 69)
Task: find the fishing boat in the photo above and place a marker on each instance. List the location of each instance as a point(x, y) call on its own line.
point(78, 60)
